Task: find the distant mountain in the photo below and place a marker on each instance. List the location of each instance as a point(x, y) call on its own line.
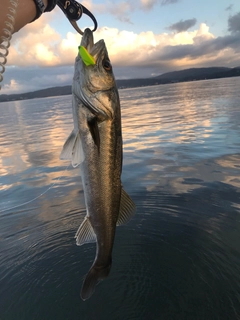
point(50, 92)
point(192, 74)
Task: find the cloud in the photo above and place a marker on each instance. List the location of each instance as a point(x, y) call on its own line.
point(182, 25)
point(148, 4)
point(234, 23)
point(122, 9)
point(204, 46)
point(36, 44)
point(149, 50)
point(27, 79)
point(45, 47)
point(229, 8)
point(166, 2)
point(40, 57)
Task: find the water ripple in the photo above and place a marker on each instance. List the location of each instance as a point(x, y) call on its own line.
point(178, 258)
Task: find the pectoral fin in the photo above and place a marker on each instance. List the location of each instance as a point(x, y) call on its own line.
point(127, 208)
point(93, 127)
point(72, 149)
point(85, 233)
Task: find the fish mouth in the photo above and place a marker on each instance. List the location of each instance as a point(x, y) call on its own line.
point(87, 39)
point(88, 43)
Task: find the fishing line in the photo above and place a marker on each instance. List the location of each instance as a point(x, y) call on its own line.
point(27, 202)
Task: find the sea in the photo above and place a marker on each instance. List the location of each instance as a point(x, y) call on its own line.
point(179, 256)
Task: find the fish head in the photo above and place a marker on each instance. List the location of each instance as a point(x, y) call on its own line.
point(94, 84)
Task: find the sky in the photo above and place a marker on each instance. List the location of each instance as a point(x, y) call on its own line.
point(144, 38)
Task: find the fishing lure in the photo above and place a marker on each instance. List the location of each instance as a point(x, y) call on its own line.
point(86, 57)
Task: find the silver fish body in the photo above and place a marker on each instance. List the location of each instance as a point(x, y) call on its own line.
point(96, 144)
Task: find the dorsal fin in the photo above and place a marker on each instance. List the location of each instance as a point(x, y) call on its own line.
point(127, 208)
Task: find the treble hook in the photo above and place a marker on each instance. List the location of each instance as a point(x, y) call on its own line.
point(73, 11)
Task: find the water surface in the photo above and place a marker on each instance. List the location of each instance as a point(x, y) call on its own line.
point(178, 258)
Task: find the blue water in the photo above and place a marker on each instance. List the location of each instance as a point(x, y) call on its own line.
point(178, 258)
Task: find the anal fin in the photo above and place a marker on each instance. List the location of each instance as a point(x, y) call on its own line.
point(85, 233)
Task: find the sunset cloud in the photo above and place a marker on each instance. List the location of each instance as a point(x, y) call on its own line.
point(36, 44)
point(234, 23)
point(182, 25)
point(43, 46)
point(122, 9)
point(132, 54)
point(148, 4)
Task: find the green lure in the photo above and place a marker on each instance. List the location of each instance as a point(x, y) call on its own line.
point(86, 57)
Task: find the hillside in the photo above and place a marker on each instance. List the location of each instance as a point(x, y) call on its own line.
point(193, 73)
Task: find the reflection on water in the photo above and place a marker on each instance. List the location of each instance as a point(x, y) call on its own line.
point(179, 257)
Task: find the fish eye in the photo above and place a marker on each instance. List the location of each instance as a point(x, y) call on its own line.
point(107, 65)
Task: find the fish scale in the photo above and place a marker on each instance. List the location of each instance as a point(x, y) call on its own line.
point(96, 145)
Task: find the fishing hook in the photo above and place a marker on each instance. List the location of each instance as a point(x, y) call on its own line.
point(73, 11)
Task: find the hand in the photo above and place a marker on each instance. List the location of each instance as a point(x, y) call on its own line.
point(25, 13)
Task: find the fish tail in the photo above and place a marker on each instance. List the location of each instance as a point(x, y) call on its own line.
point(94, 276)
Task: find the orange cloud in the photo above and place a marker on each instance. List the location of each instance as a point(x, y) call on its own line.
point(38, 44)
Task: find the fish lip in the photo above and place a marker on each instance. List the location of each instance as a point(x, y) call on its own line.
point(87, 39)
point(88, 43)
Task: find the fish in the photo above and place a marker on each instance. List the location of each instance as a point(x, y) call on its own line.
point(95, 144)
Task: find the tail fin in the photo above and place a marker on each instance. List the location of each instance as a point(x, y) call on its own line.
point(94, 276)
